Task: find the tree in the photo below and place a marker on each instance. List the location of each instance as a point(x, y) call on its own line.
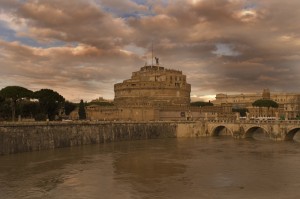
point(29, 108)
point(81, 111)
point(5, 110)
point(2, 99)
point(265, 103)
point(199, 103)
point(69, 107)
point(242, 111)
point(15, 94)
point(50, 102)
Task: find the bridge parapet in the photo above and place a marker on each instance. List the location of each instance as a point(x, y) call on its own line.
point(223, 121)
point(296, 122)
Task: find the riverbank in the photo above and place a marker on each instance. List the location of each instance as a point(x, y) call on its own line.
point(35, 136)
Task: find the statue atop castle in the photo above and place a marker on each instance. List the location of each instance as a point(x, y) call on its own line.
point(157, 60)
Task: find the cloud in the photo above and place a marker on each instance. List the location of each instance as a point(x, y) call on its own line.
point(87, 46)
point(79, 21)
point(79, 68)
point(125, 7)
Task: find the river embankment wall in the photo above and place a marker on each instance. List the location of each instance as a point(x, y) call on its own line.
point(23, 137)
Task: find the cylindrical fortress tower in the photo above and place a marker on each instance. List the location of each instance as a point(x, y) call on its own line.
point(153, 86)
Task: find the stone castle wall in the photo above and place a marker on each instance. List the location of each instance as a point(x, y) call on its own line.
point(150, 113)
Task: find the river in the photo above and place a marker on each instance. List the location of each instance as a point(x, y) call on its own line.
point(214, 167)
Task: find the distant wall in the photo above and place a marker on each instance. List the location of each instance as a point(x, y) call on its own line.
point(22, 137)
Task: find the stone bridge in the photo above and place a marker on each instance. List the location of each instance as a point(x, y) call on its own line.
point(274, 129)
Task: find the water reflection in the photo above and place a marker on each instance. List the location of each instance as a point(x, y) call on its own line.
point(219, 167)
point(148, 166)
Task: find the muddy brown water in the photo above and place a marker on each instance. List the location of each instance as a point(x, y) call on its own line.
point(214, 167)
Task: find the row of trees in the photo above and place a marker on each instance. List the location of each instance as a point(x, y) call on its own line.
point(258, 103)
point(40, 105)
point(265, 103)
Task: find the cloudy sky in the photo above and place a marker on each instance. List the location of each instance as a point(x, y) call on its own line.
point(81, 48)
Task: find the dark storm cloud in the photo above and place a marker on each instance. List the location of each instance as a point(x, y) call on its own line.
point(124, 7)
point(222, 45)
point(76, 21)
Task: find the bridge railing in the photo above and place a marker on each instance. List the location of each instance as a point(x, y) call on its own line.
point(223, 121)
point(294, 122)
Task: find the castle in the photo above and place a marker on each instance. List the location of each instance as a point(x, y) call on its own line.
point(155, 93)
point(153, 86)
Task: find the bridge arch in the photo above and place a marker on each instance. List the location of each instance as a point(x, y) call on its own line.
point(291, 133)
point(221, 130)
point(256, 130)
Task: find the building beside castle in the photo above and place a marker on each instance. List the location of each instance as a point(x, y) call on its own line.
point(289, 103)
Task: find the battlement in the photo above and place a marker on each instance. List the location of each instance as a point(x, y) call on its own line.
point(156, 68)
